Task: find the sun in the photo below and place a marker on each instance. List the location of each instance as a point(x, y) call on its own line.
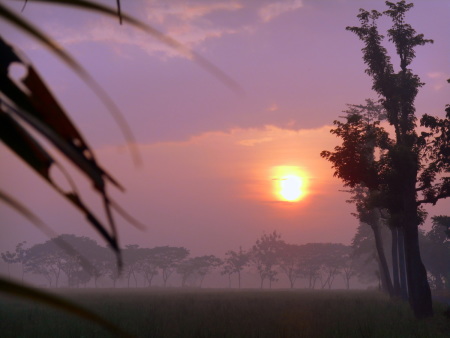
point(291, 188)
point(290, 183)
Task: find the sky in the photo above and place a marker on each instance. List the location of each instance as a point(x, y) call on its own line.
point(213, 160)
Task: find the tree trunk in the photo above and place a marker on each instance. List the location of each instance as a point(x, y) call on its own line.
point(395, 267)
point(418, 287)
point(402, 264)
point(384, 270)
point(135, 280)
point(239, 279)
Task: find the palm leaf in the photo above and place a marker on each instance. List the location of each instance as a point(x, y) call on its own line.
point(26, 26)
point(89, 5)
point(37, 107)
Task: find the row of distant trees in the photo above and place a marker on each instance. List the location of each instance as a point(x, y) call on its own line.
point(270, 258)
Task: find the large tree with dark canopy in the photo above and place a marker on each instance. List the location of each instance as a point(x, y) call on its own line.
point(413, 164)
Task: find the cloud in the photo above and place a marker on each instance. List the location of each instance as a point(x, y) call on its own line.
point(185, 23)
point(439, 79)
point(273, 107)
point(163, 12)
point(436, 75)
point(252, 142)
point(275, 9)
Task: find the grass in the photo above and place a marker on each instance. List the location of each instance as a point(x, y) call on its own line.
point(225, 313)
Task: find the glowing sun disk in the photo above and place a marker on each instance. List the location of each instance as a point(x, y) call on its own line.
point(291, 188)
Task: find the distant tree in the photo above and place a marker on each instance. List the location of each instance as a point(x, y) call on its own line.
point(9, 258)
point(76, 266)
point(311, 262)
point(234, 263)
point(207, 264)
point(148, 264)
point(132, 256)
point(21, 253)
point(186, 269)
point(364, 252)
point(197, 268)
point(168, 258)
point(290, 260)
point(227, 270)
point(264, 256)
point(17, 256)
point(348, 270)
point(100, 264)
point(112, 271)
point(444, 223)
point(333, 260)
point(45, 259)
point(435, 248)
point(62, 254)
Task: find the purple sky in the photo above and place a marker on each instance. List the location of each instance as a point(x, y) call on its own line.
point(211, 156)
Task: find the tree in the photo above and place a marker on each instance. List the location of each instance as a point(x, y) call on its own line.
point(290, 259)
point(113, 271)
point(235, 262)
point(333, 260)
point(168, 258)
point(197, 268)
point(131, 257)
point(18, 256)
point(62, 254)
point(148, 264)
point(443, 221)
point(206, 264)
point(311, 262)
point(407, 166)
point(363, 137)
point(348, 269)
point(435, 247)
point(9, 258)
point(264, 256)
point(44, 259)
point(100, 263)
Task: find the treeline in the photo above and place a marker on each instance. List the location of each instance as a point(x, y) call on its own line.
point(74, 261)
point(81, 260)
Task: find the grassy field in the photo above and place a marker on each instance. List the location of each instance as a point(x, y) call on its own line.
point(225, 313)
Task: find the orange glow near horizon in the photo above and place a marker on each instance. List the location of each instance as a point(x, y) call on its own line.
point(289, 183)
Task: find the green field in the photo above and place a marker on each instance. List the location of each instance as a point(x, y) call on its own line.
point(224, 313)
